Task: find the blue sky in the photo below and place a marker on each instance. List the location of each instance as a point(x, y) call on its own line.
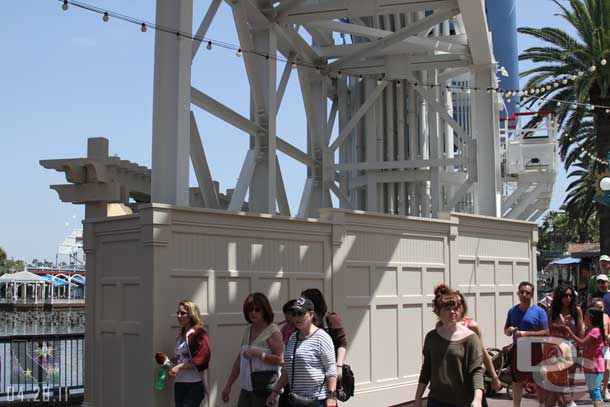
point(67, 76)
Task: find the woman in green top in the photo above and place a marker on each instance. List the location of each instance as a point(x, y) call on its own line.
point(262, 350)
point(452, 358)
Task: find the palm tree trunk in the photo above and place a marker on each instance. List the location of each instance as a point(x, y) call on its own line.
point(602, 136)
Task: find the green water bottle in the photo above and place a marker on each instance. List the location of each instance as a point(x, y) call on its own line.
point(161, 378)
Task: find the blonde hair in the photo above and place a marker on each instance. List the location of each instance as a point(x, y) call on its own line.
point(194, 314)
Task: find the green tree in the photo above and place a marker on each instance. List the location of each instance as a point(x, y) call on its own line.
point(564, 73)
point(3, 265)
point(559, 228)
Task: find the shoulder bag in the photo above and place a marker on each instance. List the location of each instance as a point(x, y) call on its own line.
point(296, 400)
point(262, 381)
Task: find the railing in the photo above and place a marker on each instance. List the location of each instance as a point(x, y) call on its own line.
point(47, 367)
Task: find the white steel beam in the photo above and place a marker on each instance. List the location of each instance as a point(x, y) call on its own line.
point(334, 9)
point(281, 89)
point(474, 18)
point(223, 112)
point(171, 105)
point(391, 165)
point(345, 132)
point(243, 182)
point(459, 194)
point(202, 170)
point(282, 198)
point(205, 25)
point(395, 37)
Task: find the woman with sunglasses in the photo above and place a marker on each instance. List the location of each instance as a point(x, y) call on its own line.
point(310, 367)
point(564, 313)
point(262, 350)
point(453, 359)
point(192, 357)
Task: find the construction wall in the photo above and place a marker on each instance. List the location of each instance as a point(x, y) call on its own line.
point(377, 271)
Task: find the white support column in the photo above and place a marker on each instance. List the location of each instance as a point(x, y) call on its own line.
point(485, 129)
point(171, 104)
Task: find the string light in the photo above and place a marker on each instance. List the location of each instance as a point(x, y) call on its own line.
point(507, 93)
point(398, 84)
point(339, 74)
point(379, 81)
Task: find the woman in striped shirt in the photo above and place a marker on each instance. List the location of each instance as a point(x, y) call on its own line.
point(309, 361)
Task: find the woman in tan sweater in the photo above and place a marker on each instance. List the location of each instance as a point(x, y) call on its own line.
point(452, 358)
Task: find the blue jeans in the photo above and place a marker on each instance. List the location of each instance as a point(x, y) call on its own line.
point(188, 394)
point(594, 382)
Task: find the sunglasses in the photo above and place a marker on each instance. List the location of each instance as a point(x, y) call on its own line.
point(181, 313)
point(523, 292)
point(602, 281)
point(296, 313)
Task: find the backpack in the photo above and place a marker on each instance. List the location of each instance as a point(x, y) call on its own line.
point(346, 387)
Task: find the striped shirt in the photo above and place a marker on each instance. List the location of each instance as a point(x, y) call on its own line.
point(314, 361)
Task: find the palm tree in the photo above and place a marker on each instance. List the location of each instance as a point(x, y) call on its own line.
point(566, 74)
point(2, 256)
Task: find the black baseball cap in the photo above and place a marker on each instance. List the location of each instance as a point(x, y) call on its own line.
point(302, 304)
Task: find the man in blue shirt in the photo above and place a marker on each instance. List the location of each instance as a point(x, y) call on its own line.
point(523, 320)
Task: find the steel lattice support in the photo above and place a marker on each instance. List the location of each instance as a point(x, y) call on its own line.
point(402, 146)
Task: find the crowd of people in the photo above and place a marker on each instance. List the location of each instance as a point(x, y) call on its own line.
point(296, 363)
point(300, 362)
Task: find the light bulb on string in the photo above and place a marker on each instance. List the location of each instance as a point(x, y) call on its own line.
point(574, 106)
point(379, 81)
point(339, 74)
point(603, 61)
point(548, 87)
point(318, 70)
point(360, 78)
point(564, 81)
point(508, 100)
point(556, 85)
point(537, 91)
point(574, 77)
point(65, 6)
point(607, 110)
point(106, 17)
point(593, 68)
point(398, 84)
point(580, 73)
point(143, 28)
point(294, 65)
point(209, 46)
point(558, 104)
point(468, 91)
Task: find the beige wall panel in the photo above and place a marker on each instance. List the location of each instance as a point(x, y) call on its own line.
point(429, 319)
point(395, 248)
point(486, 316)
point(111, 305)
point(384, 343)
point(432, 278)
point(358, 330)
point(411, 337)
point(193, 251)
point(190, 287)
point(231, 292)
point(276, 290)
point(485, 273)
point(385, 279)
point(505, 301)
point(111, 372)
point(492, 246)
point(522, 272)
point(504, 273)
point(357, 282)
point(225, 343)
point(410, 281)
point(120, 260)
point(465, 275)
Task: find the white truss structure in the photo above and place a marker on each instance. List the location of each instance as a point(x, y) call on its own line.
point(529, 166)
point(400, 148)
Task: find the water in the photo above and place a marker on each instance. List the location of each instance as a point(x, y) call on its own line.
point(41, 322)
point(62, 360)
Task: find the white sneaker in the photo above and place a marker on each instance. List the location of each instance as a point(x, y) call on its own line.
point(572, 404)
point(606, 395)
